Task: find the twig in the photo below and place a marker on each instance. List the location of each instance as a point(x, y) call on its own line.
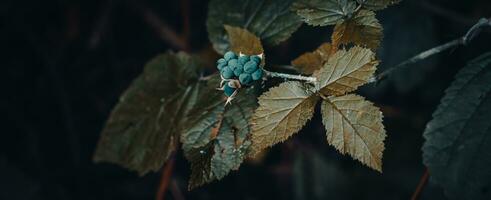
point(165, 32)
point(464, 40)
point(291, 76)
point(166, 178)
point(186, 26)
point(421, 185)
point(101, 25)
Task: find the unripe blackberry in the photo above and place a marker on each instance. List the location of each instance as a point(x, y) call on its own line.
point(220, 66)
point(238, 70)
point(257, 75)
point(256, 59)
point(245, 79)
point(243, 59)
point(250, 67)
point(229, 55)
point(227, 73)
point(232, 63)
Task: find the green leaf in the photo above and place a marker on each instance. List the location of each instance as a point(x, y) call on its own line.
point(458, 138)
point(270, 20)
point(310, 62)
point(345, 71)
point(283, 111)
point(377, 4)
point(354, 126)
point(142, 129)
point(324, 12)
point(226, 136)
point(362, 30)
point(204, 117)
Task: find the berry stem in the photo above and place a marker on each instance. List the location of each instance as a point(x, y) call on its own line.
point(290, 76)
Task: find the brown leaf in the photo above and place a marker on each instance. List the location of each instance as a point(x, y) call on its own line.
point(243, 41)
point(345, 71)
point(363, 30)
point(354, 126)
point(312, 61)
point(282, 111)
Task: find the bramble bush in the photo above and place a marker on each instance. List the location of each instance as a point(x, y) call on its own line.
point(173, 104)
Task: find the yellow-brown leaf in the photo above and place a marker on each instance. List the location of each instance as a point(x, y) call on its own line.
point(363, 30)
point(345, 71)
point(243, 41)
point(354, 126)
point(312, 61)
point(282, 111)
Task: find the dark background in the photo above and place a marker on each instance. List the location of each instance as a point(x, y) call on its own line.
point(64, 64)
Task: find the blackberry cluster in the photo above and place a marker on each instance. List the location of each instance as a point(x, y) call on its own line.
point(243, 68)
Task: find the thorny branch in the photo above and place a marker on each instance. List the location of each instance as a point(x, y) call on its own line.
point(464, 40)
point(291, 76)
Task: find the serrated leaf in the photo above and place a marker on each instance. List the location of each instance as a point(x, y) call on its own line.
point(228, 141)
point(270, 20)
point(204, 117)
point(324, 12)
point(363, 30)
point(345, 71)
point(243, 41)
point(354, 126)
point(142, 129)
point(309, 62)
point(282, 111)
point(458, 138)
point(377, 4)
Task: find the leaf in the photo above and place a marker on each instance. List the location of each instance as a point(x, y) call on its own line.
point(377, 4)
point(324, 12)
point(243, 41)
point(141, 131)
point(283, 111)
point(227, 142)
point(270, 20)
point(458, 138)
point(312, 61)
point(363, 30)
point(354, 126)
point(204, 117)
point(346, 70)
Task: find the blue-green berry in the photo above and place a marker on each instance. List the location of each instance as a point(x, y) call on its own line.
point(220, 66)
point(243, 59)
point(245, 79)
point(232, 63)
point(256, 59)
point(227, 73)
point(229, 55)
point(228, 90)
point(250, 67)
point(238, 70)
point(221, 60)
point(257, 75)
